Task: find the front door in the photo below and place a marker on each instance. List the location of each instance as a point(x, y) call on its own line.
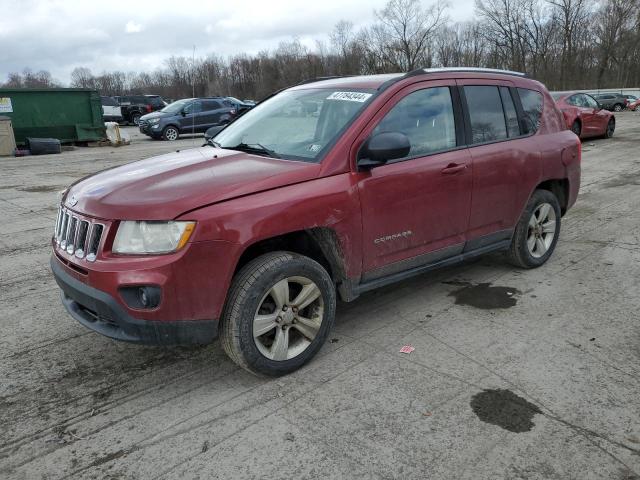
point(415, 210)
point(189, 122)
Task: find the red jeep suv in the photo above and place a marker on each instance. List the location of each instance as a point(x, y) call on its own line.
point(330, 188)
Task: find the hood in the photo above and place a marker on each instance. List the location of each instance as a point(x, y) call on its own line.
point(164, 187)
point(156, 114)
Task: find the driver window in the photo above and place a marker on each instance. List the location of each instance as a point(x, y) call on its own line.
point(426, 117)
point(192, 108)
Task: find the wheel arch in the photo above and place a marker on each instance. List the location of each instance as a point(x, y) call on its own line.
point(319, 243)
point(560, 188)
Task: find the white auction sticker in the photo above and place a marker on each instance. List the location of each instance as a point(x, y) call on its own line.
point(350, 96)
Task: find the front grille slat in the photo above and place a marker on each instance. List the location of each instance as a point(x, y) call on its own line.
point(94, 242)
point(65, 230)
point(78, 236)
point(71, 234)
point(81, 238)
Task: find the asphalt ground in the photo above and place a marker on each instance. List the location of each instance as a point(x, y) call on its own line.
point(515, 374)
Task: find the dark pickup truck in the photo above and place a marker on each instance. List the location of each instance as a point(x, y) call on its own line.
point(135, 106)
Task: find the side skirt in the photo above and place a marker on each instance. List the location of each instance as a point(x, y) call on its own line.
point(350, 291)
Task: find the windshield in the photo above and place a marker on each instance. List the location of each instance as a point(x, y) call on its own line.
point(176, 107)
point(296, 124)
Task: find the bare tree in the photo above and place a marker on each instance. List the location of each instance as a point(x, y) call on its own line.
point(404, 30)
point(81, 77)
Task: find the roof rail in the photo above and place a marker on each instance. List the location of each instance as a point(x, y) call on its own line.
point(319, 79)
point(421, 71)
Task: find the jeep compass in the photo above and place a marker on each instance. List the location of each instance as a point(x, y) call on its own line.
point(327, 189)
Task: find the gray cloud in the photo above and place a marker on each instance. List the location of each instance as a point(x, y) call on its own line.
point(132, 36)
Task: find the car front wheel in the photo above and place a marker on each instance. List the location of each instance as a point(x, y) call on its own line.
point(170, 133)
point(537, 231)
point(279, 311)
point(136, 118)
point(617, 107)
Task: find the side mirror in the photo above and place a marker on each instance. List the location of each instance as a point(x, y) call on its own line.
point(183, 113)
point(379, 149)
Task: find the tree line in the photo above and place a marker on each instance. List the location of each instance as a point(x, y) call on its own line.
point(567, 44)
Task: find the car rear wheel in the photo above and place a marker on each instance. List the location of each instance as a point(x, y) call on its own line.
point(576, 128)
point(611, 127)
point(170, 133)
point(537, 231)
point(136, 118)
point(617, 107)
point(279, 311)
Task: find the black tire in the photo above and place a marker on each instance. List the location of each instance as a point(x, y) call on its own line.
point(618, 108)
point(576, 128)
point(170, 133)
point(135, 118)
point(611, 127)
point(249, 288)
point(519, 253)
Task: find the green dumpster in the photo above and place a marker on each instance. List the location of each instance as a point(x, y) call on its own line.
point(68, 114)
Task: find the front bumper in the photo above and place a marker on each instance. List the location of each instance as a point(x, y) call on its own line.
point(150, 130)
point(101, 313)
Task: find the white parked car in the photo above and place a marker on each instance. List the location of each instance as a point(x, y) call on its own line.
point(111, 111)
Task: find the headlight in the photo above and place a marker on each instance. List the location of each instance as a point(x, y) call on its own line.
point(136, 237)
point(153, 121)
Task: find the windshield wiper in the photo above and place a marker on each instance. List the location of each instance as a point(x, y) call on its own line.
point(254, 148)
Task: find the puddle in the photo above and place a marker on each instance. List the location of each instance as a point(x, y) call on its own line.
point(484, 295)
point(504, 409)
point(41, 188)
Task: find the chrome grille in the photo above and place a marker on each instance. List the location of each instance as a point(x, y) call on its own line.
point(76, 235)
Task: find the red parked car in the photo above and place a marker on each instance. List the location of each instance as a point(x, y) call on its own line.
point(584, 116)
point(329, 188)
point(633, 102)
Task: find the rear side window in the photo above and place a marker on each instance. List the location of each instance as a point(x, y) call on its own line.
point(156, 101)
point(532, 108)
point(510, 115)
point(210, 105)
point(426, 117)
point(109, 101)
point(486, 115)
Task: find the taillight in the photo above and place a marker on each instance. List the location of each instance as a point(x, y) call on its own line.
point(149, 109)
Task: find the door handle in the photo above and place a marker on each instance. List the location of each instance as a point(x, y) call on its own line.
point(453, 168)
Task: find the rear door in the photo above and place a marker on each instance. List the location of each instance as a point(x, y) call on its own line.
point(210, 115)
point(415, 210)
point(503, 158)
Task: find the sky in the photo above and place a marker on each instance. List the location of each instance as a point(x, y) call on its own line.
point(138, 35)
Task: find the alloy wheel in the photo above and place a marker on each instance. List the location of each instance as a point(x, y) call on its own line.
point(288, 318)
point(542, 230)
point(171, 134)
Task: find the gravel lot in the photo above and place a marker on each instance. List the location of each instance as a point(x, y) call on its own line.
point(515, 374)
